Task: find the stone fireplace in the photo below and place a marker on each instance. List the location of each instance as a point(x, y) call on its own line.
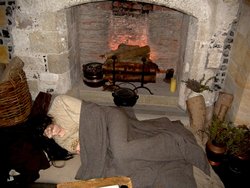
point(55, 38)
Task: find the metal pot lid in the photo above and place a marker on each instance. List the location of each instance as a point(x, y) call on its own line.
point(93, 67)
point(125, 93)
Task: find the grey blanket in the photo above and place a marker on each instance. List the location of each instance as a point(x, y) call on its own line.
point(153, 153)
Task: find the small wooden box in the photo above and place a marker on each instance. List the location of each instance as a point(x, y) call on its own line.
point(98, 182)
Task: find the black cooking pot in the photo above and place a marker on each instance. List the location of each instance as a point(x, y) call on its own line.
point(125, 97)
point(93, 74)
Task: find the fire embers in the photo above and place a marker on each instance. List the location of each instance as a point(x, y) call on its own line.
point(129, 64)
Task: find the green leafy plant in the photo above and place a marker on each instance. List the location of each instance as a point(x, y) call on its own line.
point(218, 131)
point(239, 141)
point(198, 86)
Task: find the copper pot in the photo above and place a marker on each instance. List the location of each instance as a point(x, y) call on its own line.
point(215, 153)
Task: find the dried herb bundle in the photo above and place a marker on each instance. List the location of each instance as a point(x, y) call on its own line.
point(198, 86)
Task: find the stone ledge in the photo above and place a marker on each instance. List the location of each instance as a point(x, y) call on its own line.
point(146, 106)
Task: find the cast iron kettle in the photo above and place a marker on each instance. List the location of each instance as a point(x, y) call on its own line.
point(125, 97)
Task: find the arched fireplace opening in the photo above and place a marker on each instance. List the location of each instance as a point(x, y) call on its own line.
point(100, 28)
point(55, 38)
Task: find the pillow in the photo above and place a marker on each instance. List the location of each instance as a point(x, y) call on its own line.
point(65, 110)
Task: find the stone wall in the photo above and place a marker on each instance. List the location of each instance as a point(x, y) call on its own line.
point(6, 23)
point(238, 75)
point(41, 39)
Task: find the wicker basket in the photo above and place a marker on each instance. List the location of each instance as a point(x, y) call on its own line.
point(98, 182)
point(15, 99)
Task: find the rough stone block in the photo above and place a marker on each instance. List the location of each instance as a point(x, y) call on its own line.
point(50, 21)
point(239, 48)
point(21, 41)
point(214, 59)
point(33, 88)
point(232, 69)
point(58, 63)
point(33, 66)
point(3, 21)
point(48, 82)
point(243, 114)
point(47, 42)
point(64, 83)
point(4, 55)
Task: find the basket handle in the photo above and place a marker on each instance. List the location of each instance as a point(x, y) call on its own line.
point(12, 81)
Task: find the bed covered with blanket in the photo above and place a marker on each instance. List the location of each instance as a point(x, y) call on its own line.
point(153, 153)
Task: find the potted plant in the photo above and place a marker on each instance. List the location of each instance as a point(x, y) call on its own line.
point(216, 145)
point(238, 148)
